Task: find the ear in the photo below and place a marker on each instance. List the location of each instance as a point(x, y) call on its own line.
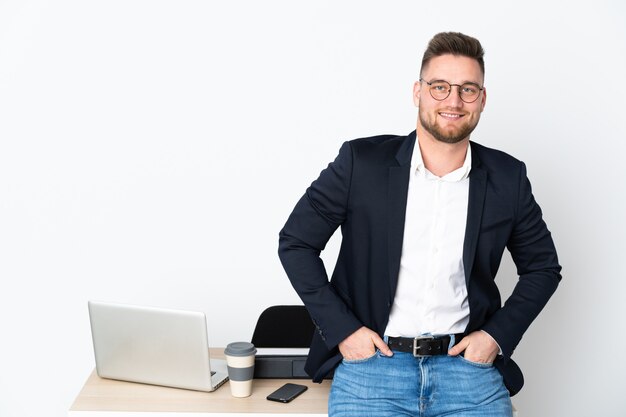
point(417, 88)
point(482, 105)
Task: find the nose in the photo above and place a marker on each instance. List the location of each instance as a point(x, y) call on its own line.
point(454, 98)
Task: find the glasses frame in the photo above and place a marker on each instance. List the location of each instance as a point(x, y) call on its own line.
point(430, 84)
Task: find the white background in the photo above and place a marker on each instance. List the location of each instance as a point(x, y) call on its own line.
point(150, 152)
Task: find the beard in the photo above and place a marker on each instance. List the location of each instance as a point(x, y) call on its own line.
point(454, 136)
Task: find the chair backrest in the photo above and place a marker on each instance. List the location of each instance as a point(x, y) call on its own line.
point(284, 327)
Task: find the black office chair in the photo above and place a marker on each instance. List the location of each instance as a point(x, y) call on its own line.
point(283, 327)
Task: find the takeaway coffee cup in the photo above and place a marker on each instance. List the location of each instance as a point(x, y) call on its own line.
point(240, 362)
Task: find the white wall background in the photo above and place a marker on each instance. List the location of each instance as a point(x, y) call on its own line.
point(150, 152)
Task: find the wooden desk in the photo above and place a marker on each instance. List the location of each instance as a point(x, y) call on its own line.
point(104, 397)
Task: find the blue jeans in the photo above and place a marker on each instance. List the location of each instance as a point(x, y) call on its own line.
point(402, 385)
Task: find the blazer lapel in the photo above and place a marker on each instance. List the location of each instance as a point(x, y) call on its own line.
point(396, 204)
point(476, 201)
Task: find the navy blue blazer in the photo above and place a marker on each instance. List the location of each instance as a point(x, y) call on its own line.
point(364, 191)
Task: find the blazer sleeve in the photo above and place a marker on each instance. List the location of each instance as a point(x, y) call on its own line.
point(316, 216)
point(535, 257)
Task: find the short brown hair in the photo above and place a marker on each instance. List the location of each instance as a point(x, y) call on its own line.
point(454, 43)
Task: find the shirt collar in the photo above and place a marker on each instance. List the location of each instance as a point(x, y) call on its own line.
point(459, 174)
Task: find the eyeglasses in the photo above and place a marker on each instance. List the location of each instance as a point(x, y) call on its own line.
point(440, 90)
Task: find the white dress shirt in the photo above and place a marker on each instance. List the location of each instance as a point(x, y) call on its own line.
point(431, 297)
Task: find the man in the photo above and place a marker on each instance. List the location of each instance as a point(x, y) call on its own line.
point(412, 318)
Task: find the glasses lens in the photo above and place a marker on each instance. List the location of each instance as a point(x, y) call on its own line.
point(469, 92)
point(439, 90)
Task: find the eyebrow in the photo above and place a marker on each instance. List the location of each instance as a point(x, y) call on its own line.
point(464, 82)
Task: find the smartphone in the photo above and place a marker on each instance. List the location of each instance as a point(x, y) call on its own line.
point(287, 392)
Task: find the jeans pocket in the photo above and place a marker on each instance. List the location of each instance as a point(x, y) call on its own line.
point(362, 360)
point(476, 364)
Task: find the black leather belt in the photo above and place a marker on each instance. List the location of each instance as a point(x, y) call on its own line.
point(423, 345)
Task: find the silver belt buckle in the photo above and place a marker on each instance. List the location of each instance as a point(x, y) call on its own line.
point(415, 347)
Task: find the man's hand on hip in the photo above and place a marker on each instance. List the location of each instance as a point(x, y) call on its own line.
point(479, 347)
point(363, 344)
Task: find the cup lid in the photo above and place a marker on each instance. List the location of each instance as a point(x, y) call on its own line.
point(240, 349)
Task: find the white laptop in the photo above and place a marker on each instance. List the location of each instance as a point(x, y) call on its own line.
point(154, 346)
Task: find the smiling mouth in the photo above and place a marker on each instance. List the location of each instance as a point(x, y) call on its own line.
point(451, 116)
